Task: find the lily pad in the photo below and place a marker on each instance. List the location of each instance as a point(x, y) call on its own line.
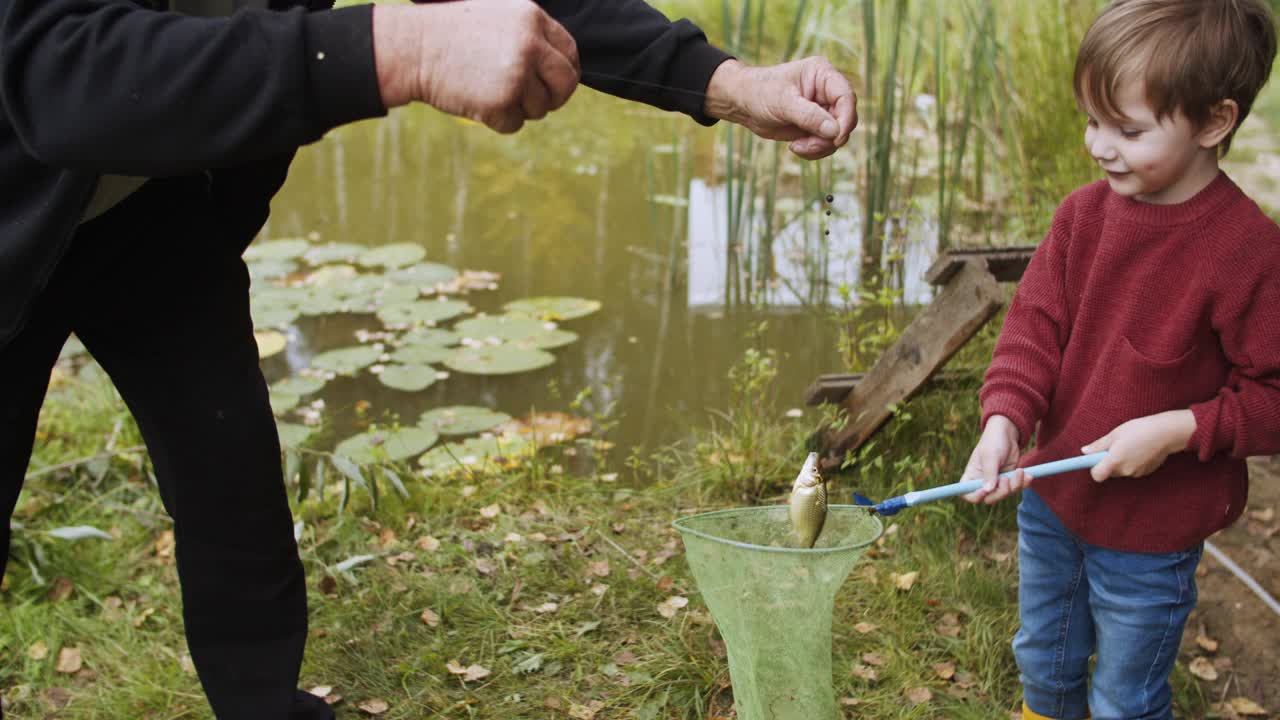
point(430, 336)
point(423, 275)
point(270, 269)
point(299, 385)
point(504, 359)
point(270, 343)
point(283, 402)
point(397, 295)
point(525, 331)
point(392, 256)
point(386, 445)
point(347, 361)
point(273, 316)
point(476, 455)
point(410, 378)
point(333, 275)
point(285, 249)
point(421, 354)
point(333, 252)
point(72, 348)
point(423, 312)
point(507, 328)
point(462, 419)
point(553, 308)
point(292, 434)
point(549, 339)
point(322, 301)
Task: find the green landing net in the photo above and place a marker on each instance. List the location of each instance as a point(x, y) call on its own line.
point(773, 603)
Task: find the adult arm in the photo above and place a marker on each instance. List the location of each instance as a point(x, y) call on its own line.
point(109, 87)
point(631, 50)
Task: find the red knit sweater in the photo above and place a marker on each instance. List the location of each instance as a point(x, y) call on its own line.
point(1130, 309)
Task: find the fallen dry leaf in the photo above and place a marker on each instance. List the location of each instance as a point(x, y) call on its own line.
point(599, 590)
point(866, 627)
point(469, 673)
point(873, 659)
point(669, 607)
point(321, 691)
point(38, 650)
point(1205, 642)
point(945, 670)
point(1245, 706)
point(485, 566)
point(490, 511)
point(164, 544)
point(1203, 669)
point(60, 590)
point(427, 543)
point(430, 618)
point(186, 663)
point(585, 712)
point(918, 695)
point(665, 583)
point(599, 569)
point(68, 660)
point(142, 616)
point(864, 672)
point(374, 707)
point(547, 607)
point(1265, 515)
point(906, 580)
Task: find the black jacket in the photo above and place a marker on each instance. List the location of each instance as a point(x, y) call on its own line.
point(94, 87)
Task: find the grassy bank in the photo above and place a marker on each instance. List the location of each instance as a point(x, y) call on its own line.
point(562, 596)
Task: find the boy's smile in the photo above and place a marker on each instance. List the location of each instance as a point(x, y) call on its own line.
point(1155, 160)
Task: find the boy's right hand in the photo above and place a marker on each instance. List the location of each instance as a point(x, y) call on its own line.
point(997, 451)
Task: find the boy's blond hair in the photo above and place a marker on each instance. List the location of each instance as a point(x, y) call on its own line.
point(1191, 54)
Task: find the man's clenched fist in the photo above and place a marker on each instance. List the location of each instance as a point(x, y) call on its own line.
point(498, 62)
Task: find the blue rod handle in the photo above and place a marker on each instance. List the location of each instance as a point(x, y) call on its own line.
point(1082, 462)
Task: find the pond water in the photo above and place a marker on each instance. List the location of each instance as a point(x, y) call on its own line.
point(565, 208)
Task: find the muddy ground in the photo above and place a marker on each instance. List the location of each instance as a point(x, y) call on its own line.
point(1247, 632)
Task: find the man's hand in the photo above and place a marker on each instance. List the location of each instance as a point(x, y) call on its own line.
point(996, 451)
point(1138, 447)
point(806, 102)
point(498, 62)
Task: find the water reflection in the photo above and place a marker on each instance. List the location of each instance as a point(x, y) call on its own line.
point(563, 208)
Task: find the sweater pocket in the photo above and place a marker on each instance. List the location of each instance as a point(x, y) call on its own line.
point(1158, 384)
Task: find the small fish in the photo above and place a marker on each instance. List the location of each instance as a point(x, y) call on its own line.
point(808, 503)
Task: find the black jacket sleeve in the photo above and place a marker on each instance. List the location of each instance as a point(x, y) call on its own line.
point(110, 87)
point(631, 50)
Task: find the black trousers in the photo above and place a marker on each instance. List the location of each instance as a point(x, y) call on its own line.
point(159, 295)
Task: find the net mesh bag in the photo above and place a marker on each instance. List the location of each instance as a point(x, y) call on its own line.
point(773, 603)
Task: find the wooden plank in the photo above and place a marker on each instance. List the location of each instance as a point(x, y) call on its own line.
point(966, 303)
point(835, 387)
point(1006, 264)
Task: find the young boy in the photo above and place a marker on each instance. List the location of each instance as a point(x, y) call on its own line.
point(1145, 326)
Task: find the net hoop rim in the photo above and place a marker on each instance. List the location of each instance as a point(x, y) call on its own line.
point(677, 524)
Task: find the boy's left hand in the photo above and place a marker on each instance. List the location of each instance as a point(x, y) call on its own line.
point(1136, 448)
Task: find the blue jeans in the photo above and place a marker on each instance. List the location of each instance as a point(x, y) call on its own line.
point(1075, 599)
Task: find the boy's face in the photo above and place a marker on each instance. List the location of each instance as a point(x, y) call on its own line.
point(1154, 160)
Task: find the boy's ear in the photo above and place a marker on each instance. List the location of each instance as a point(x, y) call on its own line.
point(1222, 120)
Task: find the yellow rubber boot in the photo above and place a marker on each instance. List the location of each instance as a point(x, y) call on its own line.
point(1029, 714)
